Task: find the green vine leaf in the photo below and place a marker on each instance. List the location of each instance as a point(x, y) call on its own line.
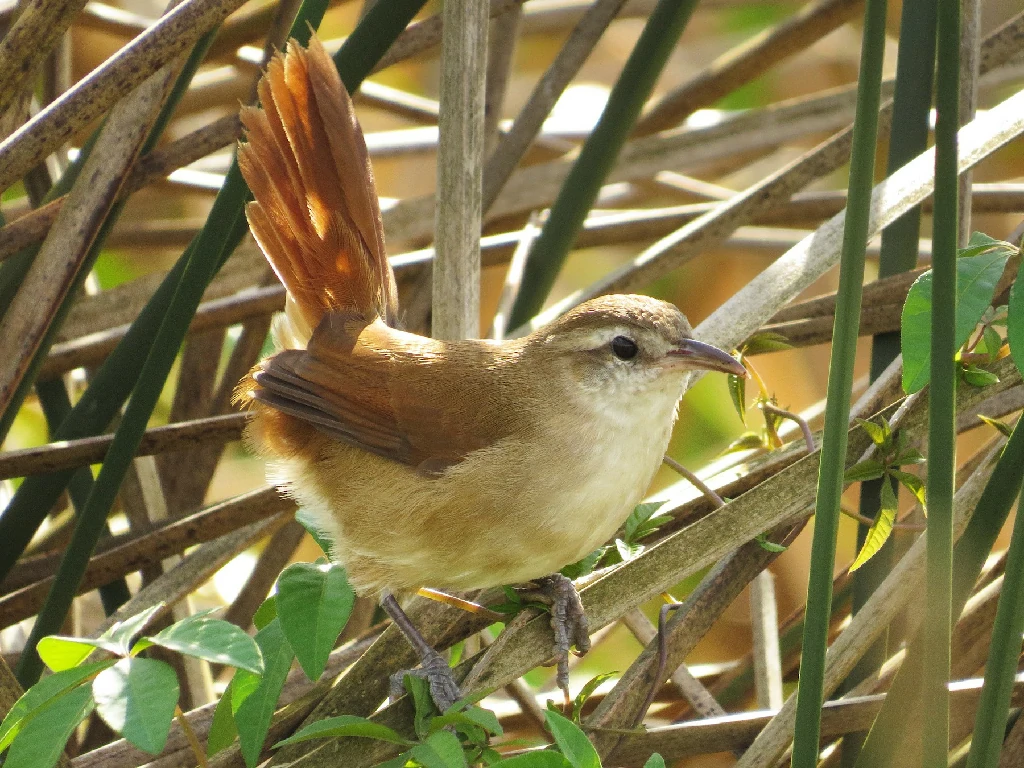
point(977, 276)
point(869, 469)
point(879, 532)
point(996, 424)
point(738, 393)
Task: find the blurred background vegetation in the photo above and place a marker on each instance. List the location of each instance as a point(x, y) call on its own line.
point(160, 219)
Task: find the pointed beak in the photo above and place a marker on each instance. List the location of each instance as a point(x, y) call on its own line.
point(696, 354)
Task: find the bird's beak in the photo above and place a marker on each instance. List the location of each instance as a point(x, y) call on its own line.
point(696, 354)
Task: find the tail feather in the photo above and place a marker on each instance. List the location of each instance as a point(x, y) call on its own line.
point(315, 213)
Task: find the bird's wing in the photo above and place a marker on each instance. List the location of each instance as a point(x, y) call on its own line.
point(382, 391)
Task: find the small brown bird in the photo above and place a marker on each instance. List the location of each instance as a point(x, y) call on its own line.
point(449, 464)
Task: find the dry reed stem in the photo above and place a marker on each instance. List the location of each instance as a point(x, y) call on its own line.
point(124, 554)
point(39, 26)
point(902, 585)
point(456, 283)
point(748, 60)
point(175, 34)
point(735, 731)
point(901, 191)
point(537, 185)
point(32, 227)
point(689, 687)
point(510, 150)
point(58, 262)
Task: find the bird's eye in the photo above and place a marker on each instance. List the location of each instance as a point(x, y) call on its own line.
point(624, 348)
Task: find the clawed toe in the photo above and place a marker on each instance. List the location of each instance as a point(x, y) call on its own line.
point(568, 621)
point(443, 688)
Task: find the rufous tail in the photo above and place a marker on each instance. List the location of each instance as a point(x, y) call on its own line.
point(315, 215)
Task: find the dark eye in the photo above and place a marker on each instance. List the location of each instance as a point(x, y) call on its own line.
point(624, 348)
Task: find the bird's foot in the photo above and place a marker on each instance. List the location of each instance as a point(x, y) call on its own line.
point(443, 688)
point(568, 621)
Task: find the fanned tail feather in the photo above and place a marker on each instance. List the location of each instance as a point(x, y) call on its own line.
point(315, 214)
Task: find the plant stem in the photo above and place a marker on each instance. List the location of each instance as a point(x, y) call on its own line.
point(840, 383)
point(941, 404)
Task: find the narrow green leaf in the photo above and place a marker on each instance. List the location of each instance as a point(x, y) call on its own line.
point(253, 715)
point(1015, 324)
point(485, 719)
point(541, 759)
point(738, 393)
point(992, 342)
point(995, 424)
point(1001, 665)
point(344, 725)
point(976, 281)
point(766, 341)
point(583, 567)
point(573, 742)
point(308, 521)
point(655, 761)
point(628, 551)
point(908, 456)
point(423, 705)
point(40, 695)
point(212, 639)
point(748, 441)
point(980, 243)
point(41, 741)
point(243, 684)
point(586, 692)
point(641, 514)
point(136, 697)
point(768, 546)
point(912, 483)
point(313, 604)
point(222, 729)
point(869, 469)
point(882, 527)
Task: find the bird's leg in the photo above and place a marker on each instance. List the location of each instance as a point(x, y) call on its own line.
point(568, 621)
point(443, 688)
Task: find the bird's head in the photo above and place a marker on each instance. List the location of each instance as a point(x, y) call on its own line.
point(628, 345)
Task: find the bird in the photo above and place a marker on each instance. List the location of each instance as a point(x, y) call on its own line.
point(455, 465)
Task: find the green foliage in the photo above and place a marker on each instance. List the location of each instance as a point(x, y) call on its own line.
point(135, 696)
point(1003, 428)
point(313, 603)
point(586, 692)
point(572, 742)
point(210, 639)
point(979, 267)
point(641, 523)
point(768, 438)
point(880, 530)
point(254, 711)
point(345, 725)
point(891, 453)
point(767, 545)
point(42, 738)
point(39, 696)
